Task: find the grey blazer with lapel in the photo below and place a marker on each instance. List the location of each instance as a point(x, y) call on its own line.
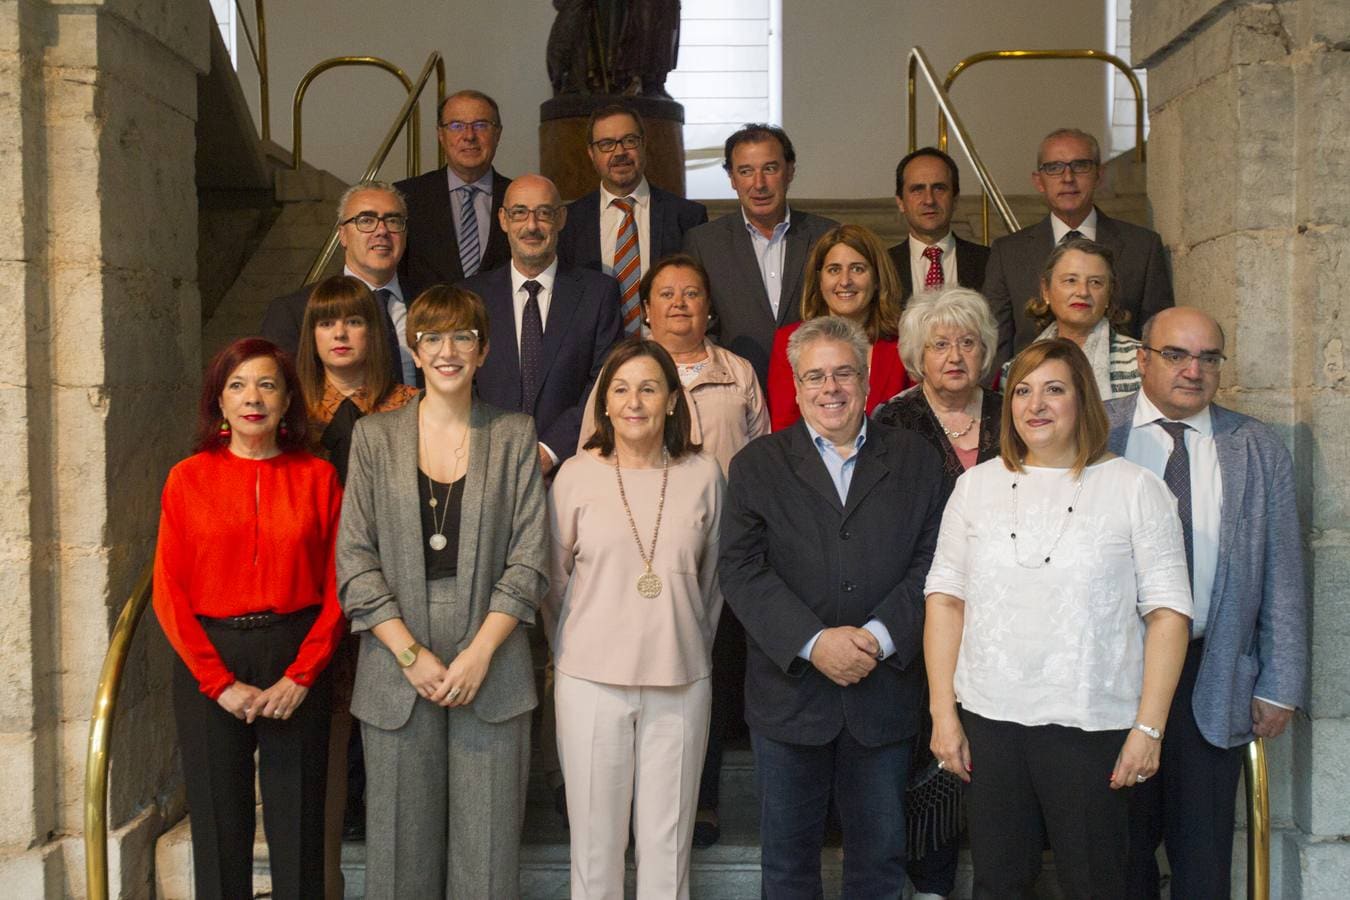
point(1256, 635)
point(503, 554)
point(745, 321)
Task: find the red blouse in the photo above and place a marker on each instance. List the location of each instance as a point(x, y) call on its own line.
point(886, 377)
point(239, 536)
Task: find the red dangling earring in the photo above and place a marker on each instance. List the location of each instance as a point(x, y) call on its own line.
point(224, 431)
point(283, 428)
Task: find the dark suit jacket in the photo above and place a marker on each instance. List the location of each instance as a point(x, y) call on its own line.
point(583, 323)
point(970, 262)
point(745, 322)
point(1256, 634)
point(1013, 276)
point(794, 561)
point(671, 217)
point(432, 255)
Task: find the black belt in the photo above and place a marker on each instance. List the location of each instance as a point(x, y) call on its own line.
point(255, 620)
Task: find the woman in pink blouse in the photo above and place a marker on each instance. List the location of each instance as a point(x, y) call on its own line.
point(631, 613)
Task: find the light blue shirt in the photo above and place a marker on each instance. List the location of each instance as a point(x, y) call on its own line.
point(841, 473)
point(482, 205)
point(771, 253)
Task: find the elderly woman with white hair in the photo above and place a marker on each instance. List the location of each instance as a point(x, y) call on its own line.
point(947, 341)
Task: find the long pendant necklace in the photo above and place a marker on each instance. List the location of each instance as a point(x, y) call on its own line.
point(1063, 526)
point(438, 540)
point(648, 583)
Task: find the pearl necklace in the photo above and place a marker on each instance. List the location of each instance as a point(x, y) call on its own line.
point(1059, 535)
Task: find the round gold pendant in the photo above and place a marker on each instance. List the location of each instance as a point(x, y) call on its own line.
point(649, 585)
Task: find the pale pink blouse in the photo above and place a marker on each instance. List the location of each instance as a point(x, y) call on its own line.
point(600, 627)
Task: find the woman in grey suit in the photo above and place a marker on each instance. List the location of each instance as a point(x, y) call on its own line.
point(442, 553)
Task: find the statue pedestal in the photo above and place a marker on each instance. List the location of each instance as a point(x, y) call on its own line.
point(563, 139)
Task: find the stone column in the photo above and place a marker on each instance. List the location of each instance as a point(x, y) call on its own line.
point(101, 323)
point(1249, 160)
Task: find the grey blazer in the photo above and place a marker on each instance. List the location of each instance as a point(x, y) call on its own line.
point(1256, 635)
point(503, 554)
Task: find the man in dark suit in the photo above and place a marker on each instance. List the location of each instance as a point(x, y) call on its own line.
point(1068, 170)
point(828, 532)
point(373, 257)
point(927, 185)
point(625, 225)
point(1246, 669)
point(755, 260)
point(552, 324)
point(451, 210)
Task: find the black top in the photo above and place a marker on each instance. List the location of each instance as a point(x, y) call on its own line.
point(910, 410)
point(443, 563)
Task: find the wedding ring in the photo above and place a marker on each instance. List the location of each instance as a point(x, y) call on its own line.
point(1139, 778)
point(942, 764)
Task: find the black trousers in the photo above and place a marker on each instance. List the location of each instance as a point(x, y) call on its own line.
point(728, 703)
point(218, 769)
point(1033, 783)
point(1188, 807)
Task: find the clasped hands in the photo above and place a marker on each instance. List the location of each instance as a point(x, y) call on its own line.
point(454, 685)
point(845, 655)
point(246, 702)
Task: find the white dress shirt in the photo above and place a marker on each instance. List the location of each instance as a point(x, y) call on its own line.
point(918, 263)
point(518, 297)
point(482, 207)
point(398, 312)
point(1149, 446)
point(611, 218)
point(1088, 229)
point(771, 252)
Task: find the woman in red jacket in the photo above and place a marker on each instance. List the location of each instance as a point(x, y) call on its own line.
point(246, 592)
point(849, 274)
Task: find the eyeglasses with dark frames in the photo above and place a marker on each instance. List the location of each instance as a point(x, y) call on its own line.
point(1077, 166)
point(368, 222)
point(628, 142)
point(1178, 358)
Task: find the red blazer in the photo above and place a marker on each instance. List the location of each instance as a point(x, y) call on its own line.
point(886, 377)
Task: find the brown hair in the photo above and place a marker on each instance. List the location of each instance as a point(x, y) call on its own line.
point(209, 413)
point(608, 111)
point(1091, 428)
point(446, 308)
point(678, 423)
point(883, 313)
point(1039, 308)
point(337, 298)
point(671, 261)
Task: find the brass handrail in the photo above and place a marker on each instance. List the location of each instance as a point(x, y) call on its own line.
point(259, 53)
point(918, 61)
point(376, 161)
point(1257, 780)
point(96, 760)
point(414, 132)
point(1102, 55)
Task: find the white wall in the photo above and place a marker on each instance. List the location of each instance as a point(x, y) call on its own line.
point(843, 82)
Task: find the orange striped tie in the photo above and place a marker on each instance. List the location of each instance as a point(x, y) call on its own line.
point(628, 266)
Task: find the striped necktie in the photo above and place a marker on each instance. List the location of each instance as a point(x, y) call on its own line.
point(470, 254)
point(628, 265)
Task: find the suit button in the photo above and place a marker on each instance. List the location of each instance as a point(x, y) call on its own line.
point(845, 535)
point(848, 586)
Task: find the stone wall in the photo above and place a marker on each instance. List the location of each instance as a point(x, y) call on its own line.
point(1248, 162)
point(97, 108)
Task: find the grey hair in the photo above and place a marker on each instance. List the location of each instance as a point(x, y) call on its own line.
point(1074, 133)
point(360, 186)
point(952, 307)
point(829, 328)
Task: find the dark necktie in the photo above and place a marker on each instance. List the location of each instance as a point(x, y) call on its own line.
point(384, 296)
point(531, 346)
point(1071, 234)
point(1178, 478)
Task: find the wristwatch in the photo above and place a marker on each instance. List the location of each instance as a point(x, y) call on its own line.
point(408, 655)
point(1149, 730)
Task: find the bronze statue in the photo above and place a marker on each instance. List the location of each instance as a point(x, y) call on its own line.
point(613, 46)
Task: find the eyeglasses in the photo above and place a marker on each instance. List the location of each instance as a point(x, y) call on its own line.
point(1077, 166)
point(628, 142)
point(543, 214)
point(368, 222)
point(465, 340)
point(965, 345)
point(477, 126)
point(1178, 358)
point(843, 376)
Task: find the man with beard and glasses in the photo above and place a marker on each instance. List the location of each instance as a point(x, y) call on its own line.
point(625, 225)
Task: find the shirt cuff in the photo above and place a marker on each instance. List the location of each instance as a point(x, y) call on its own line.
point(549, 450)
point(883, 636)
point(805, 652)
point(1275, 703)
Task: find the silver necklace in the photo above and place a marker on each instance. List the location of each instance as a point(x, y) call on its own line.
point(648, 583)
point(1059, 535)
point(953, 435)
point(438, 540)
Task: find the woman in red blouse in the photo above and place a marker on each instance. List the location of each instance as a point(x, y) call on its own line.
point(246, 592)
point(849, 275)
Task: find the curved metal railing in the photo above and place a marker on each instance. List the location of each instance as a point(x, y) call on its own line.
point(97, 759)
point(297, 132)
point(1257, 779)
point(405, 114)
point(258, 49)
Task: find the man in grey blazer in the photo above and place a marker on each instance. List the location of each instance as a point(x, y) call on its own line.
point(1068, 170)
point(1246, 669)
point(755, 260)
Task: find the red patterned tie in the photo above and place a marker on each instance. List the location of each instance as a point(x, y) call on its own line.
point(934, 277)
point(628, 266)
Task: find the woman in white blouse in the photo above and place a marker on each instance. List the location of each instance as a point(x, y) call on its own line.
point(1057, 622)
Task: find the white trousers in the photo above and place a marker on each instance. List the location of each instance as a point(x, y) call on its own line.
point(637, 749)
